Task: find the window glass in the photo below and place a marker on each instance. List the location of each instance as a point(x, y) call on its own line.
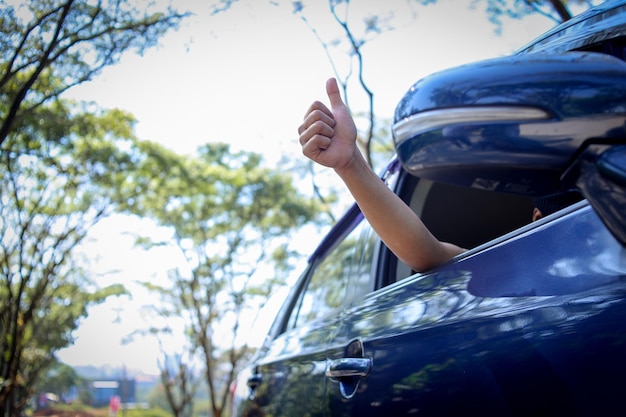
point(361, 279)
point(326, 291)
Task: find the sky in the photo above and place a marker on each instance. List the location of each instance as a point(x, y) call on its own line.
point(246, 77)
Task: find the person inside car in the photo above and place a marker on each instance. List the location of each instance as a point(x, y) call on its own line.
point(549, 204)
point(328, 137)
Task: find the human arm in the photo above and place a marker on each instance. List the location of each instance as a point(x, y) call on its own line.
point(328, 137)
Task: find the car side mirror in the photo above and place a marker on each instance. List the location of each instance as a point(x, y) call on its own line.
point(530, 124)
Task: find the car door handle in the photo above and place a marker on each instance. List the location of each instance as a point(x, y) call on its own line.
point(349, 367)
point(254, 381)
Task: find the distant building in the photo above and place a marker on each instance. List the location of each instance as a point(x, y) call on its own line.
point(103, 390)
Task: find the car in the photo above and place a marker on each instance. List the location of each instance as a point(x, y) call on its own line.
point(531, 319)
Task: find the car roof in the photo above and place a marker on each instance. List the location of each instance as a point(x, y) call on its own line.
point(598, 24)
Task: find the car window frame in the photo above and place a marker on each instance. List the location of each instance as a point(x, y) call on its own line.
point(350, 221)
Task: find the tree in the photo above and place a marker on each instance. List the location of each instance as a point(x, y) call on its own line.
point(51, 195)
point(231, 218)
point(68, 42)
point(59, 380)
point(180, 383)
point(57, 161)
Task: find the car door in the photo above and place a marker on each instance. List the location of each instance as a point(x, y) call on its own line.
point(287, 376)
point(528, 324)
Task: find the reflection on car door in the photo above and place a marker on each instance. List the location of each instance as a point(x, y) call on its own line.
point(449, 343)
point(288, 378)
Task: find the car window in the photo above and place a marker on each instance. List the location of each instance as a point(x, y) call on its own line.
point(466, 217)
point(348, 264)
point(361, 278)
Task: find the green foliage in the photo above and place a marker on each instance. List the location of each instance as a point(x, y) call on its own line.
point(219, 201)
point(52, 192)
point(60, 165)
point(151, 412)
point(229, 214)
point(157, 398)
point(50, 46)
point(58, 379)
point(129, 412)
point(201, 409)
point(65, 166)
point(56, 166)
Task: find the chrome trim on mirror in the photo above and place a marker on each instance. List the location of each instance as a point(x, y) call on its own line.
point(433, 119)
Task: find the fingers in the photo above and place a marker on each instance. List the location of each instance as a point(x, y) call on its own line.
point(315, 138)
point(318, 120)
point(315, 146)
point(316, 130)
point(317, 111)
point(316, 117)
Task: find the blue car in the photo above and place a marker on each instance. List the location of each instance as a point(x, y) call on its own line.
point(531, 320)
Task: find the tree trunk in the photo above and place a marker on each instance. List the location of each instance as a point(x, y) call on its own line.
point(561, 10)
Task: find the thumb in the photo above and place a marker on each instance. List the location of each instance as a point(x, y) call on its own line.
point(333, 94)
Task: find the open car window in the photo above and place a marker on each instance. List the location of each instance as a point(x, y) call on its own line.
point(467, 217)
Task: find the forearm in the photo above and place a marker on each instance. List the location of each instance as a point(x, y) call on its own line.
point(394, 221)
point(328, 137)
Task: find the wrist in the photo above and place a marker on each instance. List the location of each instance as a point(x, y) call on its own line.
point(356, 166)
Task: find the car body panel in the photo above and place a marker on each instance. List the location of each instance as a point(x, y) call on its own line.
point(487, 336)
point(290, 369)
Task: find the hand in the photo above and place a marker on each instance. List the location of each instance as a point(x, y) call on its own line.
point(328, 136)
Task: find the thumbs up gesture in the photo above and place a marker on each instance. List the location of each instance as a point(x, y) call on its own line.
point(328, 136)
